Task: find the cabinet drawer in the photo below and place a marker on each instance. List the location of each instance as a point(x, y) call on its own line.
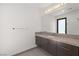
point(41, 40)
point(67, 46)
point(66, 49)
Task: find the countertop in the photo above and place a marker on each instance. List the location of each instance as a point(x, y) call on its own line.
point(68, 39)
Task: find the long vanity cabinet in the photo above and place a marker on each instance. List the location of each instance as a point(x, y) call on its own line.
point(56, 47)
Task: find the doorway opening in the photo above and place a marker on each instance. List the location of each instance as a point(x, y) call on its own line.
point(62, 25)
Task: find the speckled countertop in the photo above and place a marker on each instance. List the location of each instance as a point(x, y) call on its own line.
point(68, 39)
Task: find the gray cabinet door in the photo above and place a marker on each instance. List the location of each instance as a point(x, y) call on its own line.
point(52, 47)
point(42, 42)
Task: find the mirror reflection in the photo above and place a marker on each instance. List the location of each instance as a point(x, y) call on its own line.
point(61, 18)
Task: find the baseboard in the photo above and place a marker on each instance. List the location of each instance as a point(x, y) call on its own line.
point(24, 51)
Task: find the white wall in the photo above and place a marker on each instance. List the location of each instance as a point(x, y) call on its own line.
point(72, 22)
point(25, 16)
point(49, 23)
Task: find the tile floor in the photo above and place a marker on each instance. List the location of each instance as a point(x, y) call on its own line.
point(34, 52)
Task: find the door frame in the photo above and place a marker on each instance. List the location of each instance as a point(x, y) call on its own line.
point(65, 24)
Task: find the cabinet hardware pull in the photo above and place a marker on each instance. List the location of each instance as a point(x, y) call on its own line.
point(65, 48)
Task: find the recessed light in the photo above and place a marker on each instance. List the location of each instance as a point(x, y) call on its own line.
point(54, 8)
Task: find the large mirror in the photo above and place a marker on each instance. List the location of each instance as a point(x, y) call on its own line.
point(61, 18)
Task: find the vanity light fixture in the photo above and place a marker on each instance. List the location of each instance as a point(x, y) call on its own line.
point(53, 8)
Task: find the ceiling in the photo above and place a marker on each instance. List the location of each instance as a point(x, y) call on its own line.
point(45, 5)
point(68, 7)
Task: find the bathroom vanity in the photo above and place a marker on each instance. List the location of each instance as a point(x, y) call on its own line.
point(58, 44)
